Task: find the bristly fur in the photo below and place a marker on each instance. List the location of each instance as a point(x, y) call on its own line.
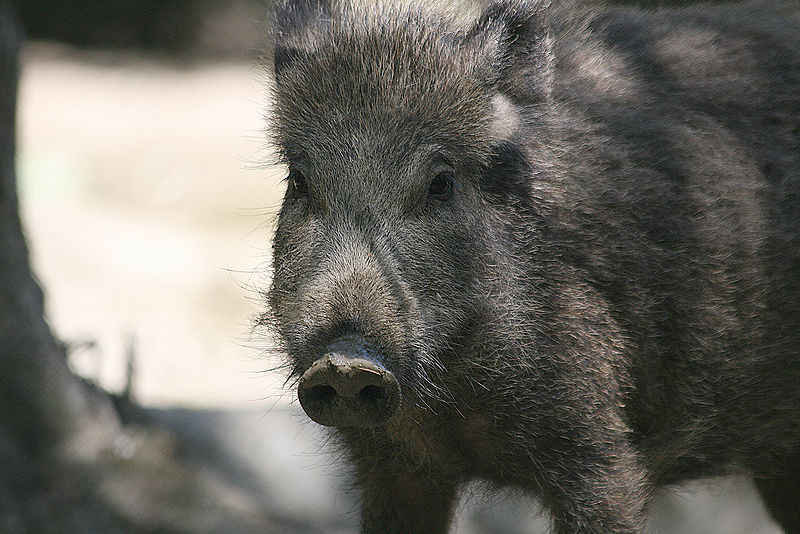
point(607, 302)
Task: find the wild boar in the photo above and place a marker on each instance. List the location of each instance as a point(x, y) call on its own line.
point(546, 248)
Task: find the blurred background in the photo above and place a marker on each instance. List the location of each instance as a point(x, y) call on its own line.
point(148, 198)
point(148, 195)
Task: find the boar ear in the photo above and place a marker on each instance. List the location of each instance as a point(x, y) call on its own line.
point(298, 29)
point(516, 35)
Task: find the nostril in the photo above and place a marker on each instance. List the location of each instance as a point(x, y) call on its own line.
point(372, 394)
point(344, 391)
point(322, 393)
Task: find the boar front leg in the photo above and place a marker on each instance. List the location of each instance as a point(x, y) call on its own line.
point(396, 500)
point(598, 488)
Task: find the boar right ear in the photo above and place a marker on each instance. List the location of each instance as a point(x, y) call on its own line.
point(516, 36)
point(298, 28)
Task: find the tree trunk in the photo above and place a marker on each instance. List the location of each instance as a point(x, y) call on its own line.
point(41, 402)
point(43, 407)
point(68, 462)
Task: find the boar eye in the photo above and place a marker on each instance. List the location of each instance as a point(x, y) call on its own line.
point(298, 183)
point(441, 187)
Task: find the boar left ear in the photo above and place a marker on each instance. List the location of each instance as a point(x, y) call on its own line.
point(517, 34)
point(298, 29)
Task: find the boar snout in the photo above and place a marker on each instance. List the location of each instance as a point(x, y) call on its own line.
point(349, 387)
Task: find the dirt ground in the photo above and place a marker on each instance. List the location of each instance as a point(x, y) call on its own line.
point(148, 199)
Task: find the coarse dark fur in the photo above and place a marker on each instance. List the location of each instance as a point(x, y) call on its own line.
point(606, 301)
